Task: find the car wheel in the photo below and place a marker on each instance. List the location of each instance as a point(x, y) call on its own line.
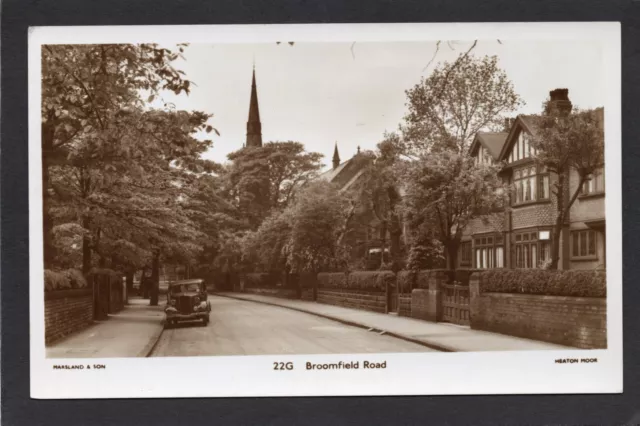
point(205, 321)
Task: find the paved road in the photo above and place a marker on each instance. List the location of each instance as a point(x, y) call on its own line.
point(247, 328)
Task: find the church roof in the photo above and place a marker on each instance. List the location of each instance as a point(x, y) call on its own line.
point(331, 174)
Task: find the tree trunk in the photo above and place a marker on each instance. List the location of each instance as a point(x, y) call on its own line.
point(86, 247)
point(383, 242)
point(49, 248)
point(155, 279)
point(557, 229)
point(395, 228)
point(395, 233)
point(452, 255)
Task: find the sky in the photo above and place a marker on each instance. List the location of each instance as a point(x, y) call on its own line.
point(323, 93)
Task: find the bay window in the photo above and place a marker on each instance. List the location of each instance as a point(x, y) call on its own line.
point(531, 183)
point(489, 251)
point(532, 249)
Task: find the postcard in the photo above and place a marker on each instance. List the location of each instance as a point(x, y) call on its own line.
point(320, 210)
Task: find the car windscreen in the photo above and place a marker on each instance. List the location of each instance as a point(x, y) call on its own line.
point(185, 288)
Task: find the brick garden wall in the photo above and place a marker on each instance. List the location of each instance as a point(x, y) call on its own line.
point(404, 304)
point(306, 294)
point(366, 300)
point(571, 321)
point(67, 311)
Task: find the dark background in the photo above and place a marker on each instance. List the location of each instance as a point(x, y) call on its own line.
point(18, 408)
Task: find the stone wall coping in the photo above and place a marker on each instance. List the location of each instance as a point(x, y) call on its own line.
point(602, 300)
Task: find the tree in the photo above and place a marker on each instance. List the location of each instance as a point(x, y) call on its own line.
point(263, 179)
point(457, 100)
point(567, 140)
point(378, 191)
point(444, 190)
point(84, 88)
point(308, 235)
point(319, 219)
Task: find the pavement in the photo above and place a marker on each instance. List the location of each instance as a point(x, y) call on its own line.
point(132, 332)
point(438, 336)
point(240, 327)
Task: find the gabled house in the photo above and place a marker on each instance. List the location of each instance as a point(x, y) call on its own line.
point(521, 235)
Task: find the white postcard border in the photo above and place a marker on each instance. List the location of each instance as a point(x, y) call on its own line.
point(406, 374)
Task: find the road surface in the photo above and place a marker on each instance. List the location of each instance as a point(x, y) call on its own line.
point(247, 328)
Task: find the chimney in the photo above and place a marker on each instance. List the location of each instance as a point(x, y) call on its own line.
point(559, 101)
point(508, 124)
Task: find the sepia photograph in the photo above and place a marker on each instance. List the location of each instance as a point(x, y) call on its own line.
point(328, 203)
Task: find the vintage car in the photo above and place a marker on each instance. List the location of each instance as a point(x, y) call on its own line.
point(187, 301)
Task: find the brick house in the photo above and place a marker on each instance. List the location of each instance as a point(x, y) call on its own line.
point(519, 236)
point(364, 237)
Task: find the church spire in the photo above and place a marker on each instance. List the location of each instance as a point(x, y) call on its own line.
point(336, 157)
point(254, 127)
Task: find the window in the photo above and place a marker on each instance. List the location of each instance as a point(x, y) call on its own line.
point(489, 252)
point(483, 156)
point(531, 184)
point(465, 251)
point(521, 148)
point(583, 244)
point(532, 249)
point(594, 183)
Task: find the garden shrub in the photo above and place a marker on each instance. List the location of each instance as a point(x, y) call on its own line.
point(55, 280)
point(573, 283)
point(76, 279)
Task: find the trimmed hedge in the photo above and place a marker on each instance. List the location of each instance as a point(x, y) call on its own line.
point(64, 280)
point(360, 280)
point(551, 283)
point(370, 280)
point(332, 280)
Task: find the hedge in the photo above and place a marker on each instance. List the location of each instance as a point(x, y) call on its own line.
point(332, 280)
point(63, 280)
point(360, 280)
point(552, 283)
point(370, 280)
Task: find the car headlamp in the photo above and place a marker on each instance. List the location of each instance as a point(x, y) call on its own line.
point(173, 302)
point(196, 300)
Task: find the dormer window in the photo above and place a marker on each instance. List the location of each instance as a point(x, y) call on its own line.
point(483, 156)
